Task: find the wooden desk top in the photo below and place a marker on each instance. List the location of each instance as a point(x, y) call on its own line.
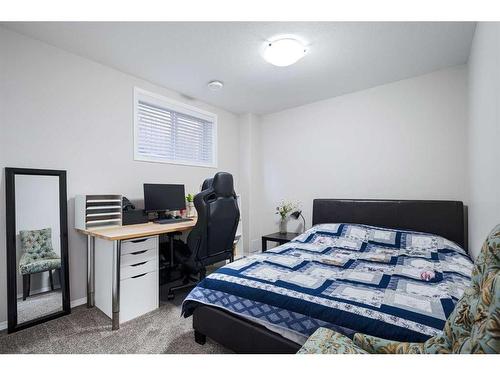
point(127, 232)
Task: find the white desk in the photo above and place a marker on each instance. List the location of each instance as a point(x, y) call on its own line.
point(141, 241)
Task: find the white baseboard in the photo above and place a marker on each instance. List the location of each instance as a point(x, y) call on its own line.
point(74, 303)
point(78, 302)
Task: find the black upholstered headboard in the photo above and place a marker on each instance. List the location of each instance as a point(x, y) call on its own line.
point(444, 218)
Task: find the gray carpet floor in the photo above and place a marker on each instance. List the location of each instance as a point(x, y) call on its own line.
point(89, 331)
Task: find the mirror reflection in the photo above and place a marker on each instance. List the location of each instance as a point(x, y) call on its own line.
point(38, 246)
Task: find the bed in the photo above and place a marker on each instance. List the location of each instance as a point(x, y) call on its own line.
point(393, 269)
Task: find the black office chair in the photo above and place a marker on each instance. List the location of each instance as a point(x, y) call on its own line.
point(211, 240)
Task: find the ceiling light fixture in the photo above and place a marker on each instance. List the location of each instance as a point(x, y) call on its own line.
point(215, 85)
point(284, 52)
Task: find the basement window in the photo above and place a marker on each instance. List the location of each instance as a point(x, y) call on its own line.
point(166, 131)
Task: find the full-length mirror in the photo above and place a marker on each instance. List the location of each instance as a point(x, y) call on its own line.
point(37, 246)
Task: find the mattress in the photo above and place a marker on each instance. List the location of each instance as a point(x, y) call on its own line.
point(395, 284)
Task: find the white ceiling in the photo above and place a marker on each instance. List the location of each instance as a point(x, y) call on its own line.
point(342, 57)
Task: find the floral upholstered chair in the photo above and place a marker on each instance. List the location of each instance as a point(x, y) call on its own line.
point(38, 256)
point(472, 327)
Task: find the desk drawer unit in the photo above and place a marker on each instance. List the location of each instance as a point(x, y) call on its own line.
point(138, 295)
point(139, 268)
point(139, 283)
point(138, 257)
point(139, 244)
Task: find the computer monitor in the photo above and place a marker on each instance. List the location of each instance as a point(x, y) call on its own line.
point(164, 197)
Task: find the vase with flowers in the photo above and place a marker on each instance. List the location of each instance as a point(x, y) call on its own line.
point(284, 209)
point(190, 205)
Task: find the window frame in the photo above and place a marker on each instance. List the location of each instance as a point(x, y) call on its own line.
point(186, 109)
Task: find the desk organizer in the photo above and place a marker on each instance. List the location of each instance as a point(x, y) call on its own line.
point(92, 211)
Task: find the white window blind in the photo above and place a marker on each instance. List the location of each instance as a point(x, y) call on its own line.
point(172, 132)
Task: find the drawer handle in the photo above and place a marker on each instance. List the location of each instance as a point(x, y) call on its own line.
point(141, 275)
point(138, 264)
point(138, 252)
point(139, 240)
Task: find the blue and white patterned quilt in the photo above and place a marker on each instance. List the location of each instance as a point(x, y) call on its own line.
point(393, 284)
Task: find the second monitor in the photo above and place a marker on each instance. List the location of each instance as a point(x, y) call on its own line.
point(164, 197)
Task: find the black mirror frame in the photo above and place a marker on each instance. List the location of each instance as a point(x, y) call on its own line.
point(10, 207)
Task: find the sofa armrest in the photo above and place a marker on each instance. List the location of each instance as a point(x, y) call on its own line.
point(326, 341)
point(376, 345)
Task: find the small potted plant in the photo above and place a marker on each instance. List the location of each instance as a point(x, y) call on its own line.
point(190, 205)
point(284, 209)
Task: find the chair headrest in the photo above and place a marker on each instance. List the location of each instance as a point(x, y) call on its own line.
point(207, 183)
point(223, 184)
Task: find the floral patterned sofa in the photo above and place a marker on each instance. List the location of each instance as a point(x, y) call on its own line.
point(472, 327)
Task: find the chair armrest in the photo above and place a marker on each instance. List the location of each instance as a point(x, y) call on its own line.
point(376, 345)
point(326, 341)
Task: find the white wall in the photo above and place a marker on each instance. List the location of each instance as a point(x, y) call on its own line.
point(249, 174)
point(484, 133)
point(404, 140)
point(60, 111)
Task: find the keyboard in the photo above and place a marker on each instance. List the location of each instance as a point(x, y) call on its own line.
point(172, 221)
